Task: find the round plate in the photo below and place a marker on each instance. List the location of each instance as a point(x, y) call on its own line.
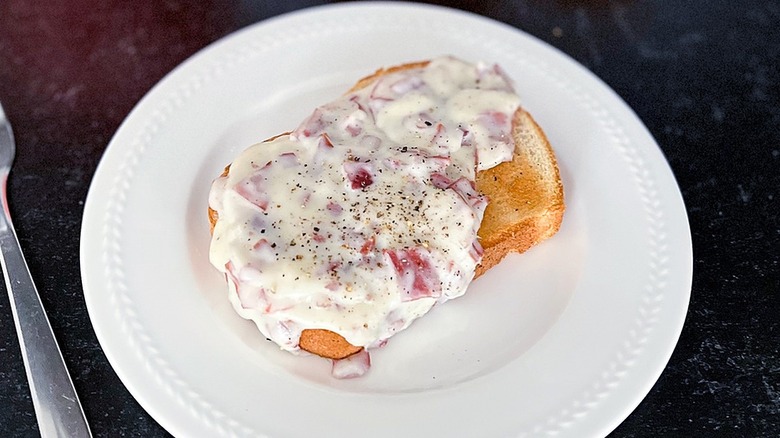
point(566, 338)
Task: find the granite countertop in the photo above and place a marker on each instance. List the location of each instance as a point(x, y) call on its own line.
point(702, 76)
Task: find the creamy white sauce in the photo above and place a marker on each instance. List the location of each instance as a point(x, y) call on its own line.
point(366, 215)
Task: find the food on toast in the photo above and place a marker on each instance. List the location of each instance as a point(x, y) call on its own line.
point(380, 205)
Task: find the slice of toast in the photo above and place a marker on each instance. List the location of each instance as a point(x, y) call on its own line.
point(525, 207)
point(525, 195)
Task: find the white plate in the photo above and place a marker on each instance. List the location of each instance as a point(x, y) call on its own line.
point(566, 339)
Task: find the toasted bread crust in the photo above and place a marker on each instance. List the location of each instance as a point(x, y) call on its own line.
point(525, 195)
point(366, 81)
point(327, 344)
point(525, 207)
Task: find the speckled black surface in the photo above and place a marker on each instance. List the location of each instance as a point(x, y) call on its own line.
point(703, 76)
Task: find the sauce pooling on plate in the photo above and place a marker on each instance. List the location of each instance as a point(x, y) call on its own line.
point(366, 215)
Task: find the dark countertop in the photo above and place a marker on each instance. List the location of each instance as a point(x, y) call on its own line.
point(703, 76)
